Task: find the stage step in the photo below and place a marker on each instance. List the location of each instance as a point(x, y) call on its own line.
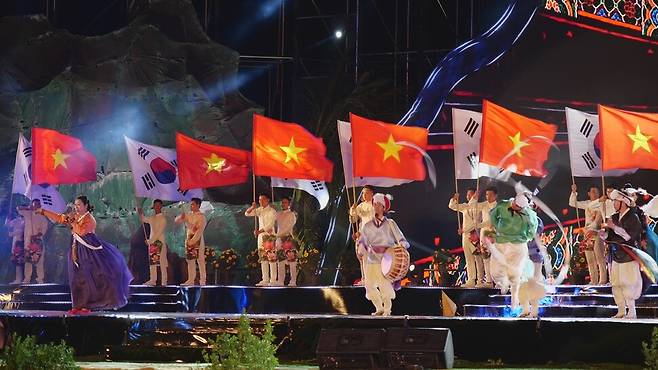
point(580, 299)
point(599, 311)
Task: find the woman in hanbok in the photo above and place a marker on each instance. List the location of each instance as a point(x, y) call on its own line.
point(98, 275)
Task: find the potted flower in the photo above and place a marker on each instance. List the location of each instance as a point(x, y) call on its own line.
point(252, 264)
point(307, 259)
point(226, 263)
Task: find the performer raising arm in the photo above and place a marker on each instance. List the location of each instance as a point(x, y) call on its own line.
point(376, 237)
point(195, 246)
point(157, 247)
point(266, 220)
point(474, 261)
point(594, 249)
point(98, 274)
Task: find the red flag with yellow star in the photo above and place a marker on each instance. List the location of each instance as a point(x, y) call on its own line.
point(385, 150)
point(203, 165)
point(288, 150)
point(514, 142)
point(60, 159)
point(628, 139)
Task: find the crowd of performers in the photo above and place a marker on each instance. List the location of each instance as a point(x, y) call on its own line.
point(500, 240)
point(502, 247)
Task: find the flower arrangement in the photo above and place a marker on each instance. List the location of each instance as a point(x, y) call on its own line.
point(154, 252)
point(308, 257)
point(34, 250)
point(18, 253)
point(227, 260)
point(252, 260)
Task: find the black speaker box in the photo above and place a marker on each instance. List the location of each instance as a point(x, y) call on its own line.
point(426, 347)
point(350, 348)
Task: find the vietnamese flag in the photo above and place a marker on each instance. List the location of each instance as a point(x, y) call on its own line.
point(383, 150)
point(514, 142)
point(60, 159)
point(289, 151)
point(628, 139)
point(203, 165)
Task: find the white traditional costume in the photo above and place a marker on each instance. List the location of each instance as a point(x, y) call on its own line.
point(36, 226)
point(595, 250)
point(157, 247)
point(285, 223)
point(266, 221)
point(474, 262)
point(361, 215)
point(195, 246)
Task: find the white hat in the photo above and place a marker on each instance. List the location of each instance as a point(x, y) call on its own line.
point(622, 197)
point(521, 200)
point(383, 199)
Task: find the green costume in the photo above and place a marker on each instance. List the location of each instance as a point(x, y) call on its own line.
point(513, 226)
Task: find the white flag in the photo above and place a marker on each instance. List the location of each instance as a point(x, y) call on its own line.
point(466, 134)
point(583, 129)
point(318, 189)
point(345, 137)
point(48, 195)
point(155, 172)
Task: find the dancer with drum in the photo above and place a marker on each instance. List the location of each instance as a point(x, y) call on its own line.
point(380, 237)
point(264, 235)
point(594, 248)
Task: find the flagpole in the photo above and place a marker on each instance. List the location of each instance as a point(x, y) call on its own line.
point(141, 221)
point(11, 192)
point(573, 182)
point(606, 196)
point(253, 181)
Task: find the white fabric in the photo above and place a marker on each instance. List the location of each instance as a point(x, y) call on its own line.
point(34, 224)
point(485, 210)
point(266, 217)
point(508, 261)
point(521, 200)
point(377, 233)
point(626, 279)
point(147, 185)
point(383, 199)
point(379, 290)
point(317, 189)
point(285, 222)
point(651, 208)
point(16, 229)
point(195, 224)
point(618, 195)
point(345, 138)
point(467, 131)
point(470, 259)
point(582, 129)
point(363, 213)
point(50, 198)
point(592, 208)
point(158, 225)
point(470, 212)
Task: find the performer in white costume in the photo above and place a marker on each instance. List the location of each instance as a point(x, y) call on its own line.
point(376, 237)
point(514, 223)
point(16, 227)
point(157, 246)
point(360, 215)
point(285, 223)
point(266, 222)
point(621, 231)
point(195, 246)
point(471, 213)
point(491, 200)
point(595, 249)
point(36, 226)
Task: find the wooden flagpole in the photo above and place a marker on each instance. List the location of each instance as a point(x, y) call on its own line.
point(573, 182)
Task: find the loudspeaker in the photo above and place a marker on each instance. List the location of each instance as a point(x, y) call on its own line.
point(427, 347)
point(350, 348)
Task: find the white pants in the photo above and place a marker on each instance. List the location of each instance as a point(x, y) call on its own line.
point(626, 280)
point(191, 267)
point(596, 263)
point(474, 264)
point(532, 290)
point(379, 290)
point(508, 261)
point(153, 269)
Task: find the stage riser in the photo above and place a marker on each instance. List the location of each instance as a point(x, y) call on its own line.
point(590, 311)
point(512, 341)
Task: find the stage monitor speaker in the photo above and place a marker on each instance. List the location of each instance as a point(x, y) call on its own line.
point(427, 347)
point(350, 348)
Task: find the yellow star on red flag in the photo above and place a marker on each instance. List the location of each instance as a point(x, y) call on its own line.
point(60, 158)
point(292, 151)
point(640, 140)
point(518, 144)
point(215, 163)
point(391, 148)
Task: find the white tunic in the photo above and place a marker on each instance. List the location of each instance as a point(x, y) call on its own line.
point(34, 224)
point(364, 212)
point(16, 231)
point(485, 213)
point(195, 223)
point(158, 223)
point(469, 210)
point(592, 209)
point(285, 222)
point(266, 217)
point(384, 233)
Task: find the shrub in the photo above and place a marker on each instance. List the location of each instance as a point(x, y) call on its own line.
point(650, 351)
point(23, 353)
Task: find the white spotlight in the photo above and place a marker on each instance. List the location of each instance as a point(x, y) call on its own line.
point(338, 34)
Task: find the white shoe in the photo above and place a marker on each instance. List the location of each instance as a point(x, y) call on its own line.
point(377, 313)
point(150, 283)
point(619, 315)
point(386, 313)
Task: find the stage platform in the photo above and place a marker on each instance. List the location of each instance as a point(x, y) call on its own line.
point(174, 323)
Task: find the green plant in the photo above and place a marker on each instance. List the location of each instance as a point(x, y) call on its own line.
point(244, 350)
point(650, 351)
point(25, 353)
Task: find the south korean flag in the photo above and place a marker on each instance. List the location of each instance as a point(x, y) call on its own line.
point(155, 172)
point(584, 152)
point(467, 131)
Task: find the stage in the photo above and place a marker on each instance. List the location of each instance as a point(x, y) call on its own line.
point(174, 323)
